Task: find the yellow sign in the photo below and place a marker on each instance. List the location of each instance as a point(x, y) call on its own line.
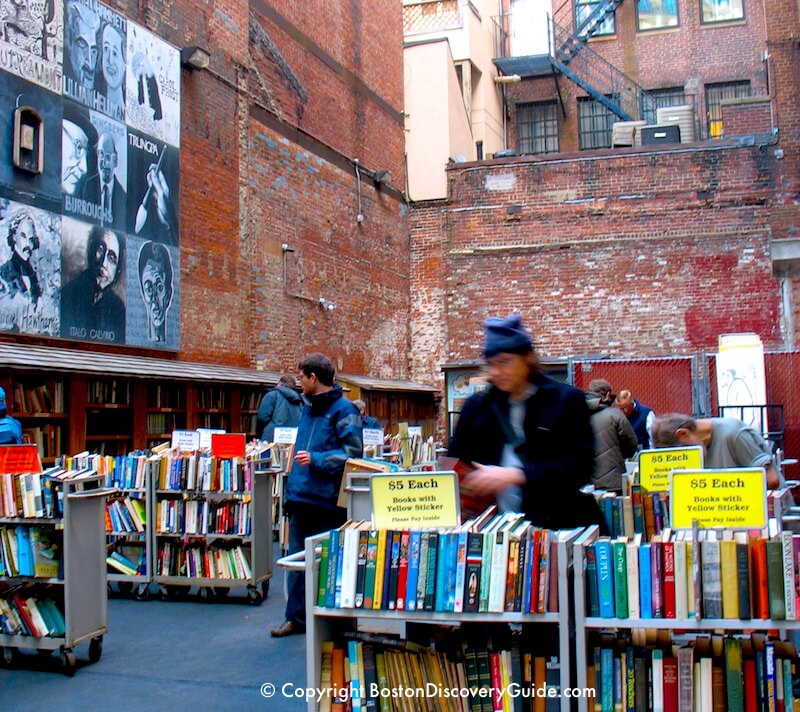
point(733, 498)
point(655, 466)
point(414, 501)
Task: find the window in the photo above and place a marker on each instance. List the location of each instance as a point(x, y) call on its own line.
point(585, 17)
point(722, 10)
point(595, 124)
point(656, 14)
point(715, 95)
point(537, 128)
point(659, 98)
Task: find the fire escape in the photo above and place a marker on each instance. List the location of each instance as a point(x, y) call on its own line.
point(569, 55)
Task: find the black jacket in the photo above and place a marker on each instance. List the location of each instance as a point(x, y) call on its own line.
point(280, 408)
point(558, 452)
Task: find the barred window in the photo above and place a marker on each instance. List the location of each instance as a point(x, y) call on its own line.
point(715, 95)
point(659, 98)
point(595, 124)
point(537, 127)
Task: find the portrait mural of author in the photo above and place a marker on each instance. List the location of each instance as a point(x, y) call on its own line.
point(90, 246)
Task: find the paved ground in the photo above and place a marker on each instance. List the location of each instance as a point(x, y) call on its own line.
point(170, 655)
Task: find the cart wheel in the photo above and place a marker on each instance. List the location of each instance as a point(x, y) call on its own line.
point(109, 590)
point(265, 588)
point(221, 591)
point(68, 662)
point(254, 597)
point(125, 588)
point(163, 593)
point(203, 594)
point(142, 593)
point(95, 649)
point(7, 656)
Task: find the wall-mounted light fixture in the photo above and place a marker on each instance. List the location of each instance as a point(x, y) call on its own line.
point(508, 79)
point(327, 304)
point(195, 57)
point(324, 304)
point(381, 177)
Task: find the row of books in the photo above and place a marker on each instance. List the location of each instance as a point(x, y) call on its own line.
point(196, 560)
point(134, 564)
point(129, 471)
point(39, 494)
point(192, 516)
point(30, 551)
point(212, 398)
point(31, 612)
point(737, 674)
point(111, 391)
point(389, 676)
point(47, 439)
point(126, 514)
point(158, 423)
point(44, 398)
point(492, 563)
point(201, 472)
point(639, 512)
point(165, 397)
point(724, 574)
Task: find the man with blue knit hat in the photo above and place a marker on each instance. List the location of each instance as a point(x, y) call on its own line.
point(527, 436)
point(10, 429)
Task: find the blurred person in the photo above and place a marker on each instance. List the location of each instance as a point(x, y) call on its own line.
point(279, 408)
point(727, 442)
point(367, 421)
point(639, 415)
point(10, 428)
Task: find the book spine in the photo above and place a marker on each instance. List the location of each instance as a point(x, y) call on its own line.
point(620, 579)
point(712, 582)
point(669, 579)
point(777, 605)
point(645, 582)
point(789, 575)
point(605, 578)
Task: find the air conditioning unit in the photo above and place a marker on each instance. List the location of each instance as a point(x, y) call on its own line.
point(671, 133)
point(626, 133)
point(682, 115)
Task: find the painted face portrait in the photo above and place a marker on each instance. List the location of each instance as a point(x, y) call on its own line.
point(74, 148)
point(81, 41)
point(113, 64)
point(156, 292)
point(106, 260)
point(25, 240)
point(106, 158)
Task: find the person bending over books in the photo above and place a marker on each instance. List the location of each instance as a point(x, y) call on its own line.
point(328, 434)
point(727, 442)
point(527, 436)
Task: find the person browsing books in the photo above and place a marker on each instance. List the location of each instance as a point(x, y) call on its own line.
point(10, 428)
point(727, 442)
point(527, 436)
point(366, 420)
point(328, 434)
point(279, 408)
point(639, 415)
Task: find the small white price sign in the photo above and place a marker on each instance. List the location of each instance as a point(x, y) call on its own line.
point(285, 436)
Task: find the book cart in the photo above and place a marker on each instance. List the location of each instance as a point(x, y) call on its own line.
point(683, 632)
point(323, 623)
point(80, 587)
point(213, 533)
point(129, 541)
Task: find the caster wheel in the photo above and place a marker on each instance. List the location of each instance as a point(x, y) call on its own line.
point(68, 663)
point(221, 591)
point(95, 649)
point(254, 597)
point(125, 587)
point(265, 589)
point(163, 593)
point(7, 656)
point(203, 594)
point(142, 593)
point(109, 590)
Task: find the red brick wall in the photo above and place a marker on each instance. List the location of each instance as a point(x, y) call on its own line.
point(747, 117)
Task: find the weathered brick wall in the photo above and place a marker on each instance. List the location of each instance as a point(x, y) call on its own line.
point(747, 117)
point(649, 253)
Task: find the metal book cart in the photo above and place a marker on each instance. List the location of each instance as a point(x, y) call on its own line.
point(83, 586)
point(258, 542)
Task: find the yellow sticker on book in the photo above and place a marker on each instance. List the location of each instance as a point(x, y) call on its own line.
point(414, 501)
point(655, 466)
point(734, 498)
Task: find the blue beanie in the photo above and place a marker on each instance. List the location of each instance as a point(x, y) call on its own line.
point(506, 336)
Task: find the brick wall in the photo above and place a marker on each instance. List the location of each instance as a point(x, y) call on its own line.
point(747, 116)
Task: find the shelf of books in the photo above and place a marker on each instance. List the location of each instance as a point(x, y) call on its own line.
point(38, 404)
point(695, 612)
point(109, 416)
point(52, 564)
point(165, 412)
point(211, 524)
point(249, 400)
point(432, 612)
point(129, 556)
point(213, 407)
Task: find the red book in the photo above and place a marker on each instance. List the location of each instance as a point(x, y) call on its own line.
point(758, 584)
point(670, 672)
point(402, 572)
point(26, 617)
point(537, 538)
point(669, 579)
point(750, 691)
point(337, 680)
point(497, 681)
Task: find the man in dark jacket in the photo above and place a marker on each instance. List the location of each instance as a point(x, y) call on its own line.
point(328, 434)
point(10, 428)
point(280, 408)
point(614, 437)
point(527, 431)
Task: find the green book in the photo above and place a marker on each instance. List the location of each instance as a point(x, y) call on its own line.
point(383, 683)
point(734, 674)
point(322, 580)
point(620, 578)
point(777, 605)
point(372, 561)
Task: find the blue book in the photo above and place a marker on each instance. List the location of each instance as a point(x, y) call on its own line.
point(607, 679)
point(442, 564)
point(413, 569)
point(605, 577)
point(337, 596)
point(355, 683)
point(591, 582)
point(608, 513)
point(330, 574)
point(451, 570)
point(24, 552)
point(645, 582)
point(526, 582)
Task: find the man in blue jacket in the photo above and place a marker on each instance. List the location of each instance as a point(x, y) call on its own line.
point(328, 434)
point(10, 428)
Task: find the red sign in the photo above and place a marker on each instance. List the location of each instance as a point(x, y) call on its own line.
point(228, 445)
point(16, 459)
